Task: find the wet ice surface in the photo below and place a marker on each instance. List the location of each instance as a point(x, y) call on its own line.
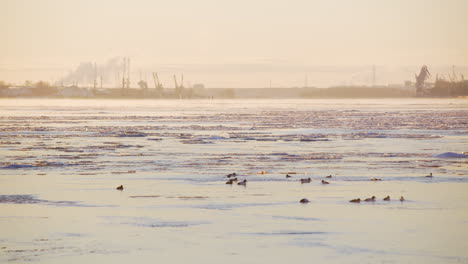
point(62, 159)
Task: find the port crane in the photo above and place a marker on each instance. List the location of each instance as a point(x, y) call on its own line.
point(179, 88)
point(157, 85)
point(424, 74)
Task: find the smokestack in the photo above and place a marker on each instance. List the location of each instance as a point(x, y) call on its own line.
point(128, 74)
point(123, 72)
point(95, 77)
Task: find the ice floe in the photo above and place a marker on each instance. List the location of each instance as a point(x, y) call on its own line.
point(450, 155)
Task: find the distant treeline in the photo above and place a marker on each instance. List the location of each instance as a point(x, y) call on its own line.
point(37, 89)
point(356, 92)
point(443, 88)
point(43, 89)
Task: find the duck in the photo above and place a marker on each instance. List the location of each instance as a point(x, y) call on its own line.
point(304, 200)
point(244, 182)
point(358, 200)
point(306, 180)
point(231, 175)
point(375, 179)
point(329, 176)
point(402, 199)
point(325, 182)
point(120, 188)
point(288, 176)
point(372, 199)
point(231, 181)
point(429, 176)
point(387, 198)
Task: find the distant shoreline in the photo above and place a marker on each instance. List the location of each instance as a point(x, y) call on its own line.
point(237, 98)
point(341, 92)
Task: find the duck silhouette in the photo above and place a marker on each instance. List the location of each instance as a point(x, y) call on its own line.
point(244, 182)
point(229, 181)
point(325, 182)
point(306, 180)
point(387, 198)
point(358, 200)
point(120, 188)
point(372, 199)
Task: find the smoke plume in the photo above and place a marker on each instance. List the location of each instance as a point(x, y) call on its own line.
point(85, 73)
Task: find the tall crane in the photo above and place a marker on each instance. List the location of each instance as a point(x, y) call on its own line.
point(128, 73)
point(157, 85)
point(95, 78)
point(175, 83)
point(424, 74)
point(123, 72)
point(182, 81)
point(455, 78)
point(179, 88)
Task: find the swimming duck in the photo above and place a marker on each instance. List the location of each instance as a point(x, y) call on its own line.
point(372, 199)
point(231, 175)
point(375, 179)
point(387, 198)
point(244, 182)
point(288, 176)
point(231, 181)
point(402, 199)
point(329, 176)
point(306, 180)
point(325, 182)
point(304, 200)
point(358, 200)
point(429, 176)
point(120, 188)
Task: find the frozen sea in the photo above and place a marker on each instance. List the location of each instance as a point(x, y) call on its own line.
point(61, 161)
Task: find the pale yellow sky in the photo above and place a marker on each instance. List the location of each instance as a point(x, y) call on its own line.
point(231, 43)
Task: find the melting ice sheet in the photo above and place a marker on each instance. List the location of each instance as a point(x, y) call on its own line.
point(61, 161)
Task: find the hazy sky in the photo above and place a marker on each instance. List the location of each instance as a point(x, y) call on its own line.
point(233, 43)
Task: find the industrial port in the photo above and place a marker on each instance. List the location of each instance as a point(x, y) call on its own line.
point(450, 85)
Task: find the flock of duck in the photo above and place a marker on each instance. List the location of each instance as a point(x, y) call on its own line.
point(372, 199)
point(233, 179)
point(244, 182)
point(387, 198)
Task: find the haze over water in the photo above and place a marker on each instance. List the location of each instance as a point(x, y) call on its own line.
point(96, 180)
point(62, 160)
point(233, 44)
